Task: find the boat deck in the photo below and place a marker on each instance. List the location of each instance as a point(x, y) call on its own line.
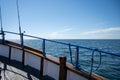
point(13, 70)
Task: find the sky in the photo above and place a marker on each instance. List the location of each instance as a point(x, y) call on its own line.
point(64, 19)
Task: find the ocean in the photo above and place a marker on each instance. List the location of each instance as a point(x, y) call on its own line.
point(105, 65)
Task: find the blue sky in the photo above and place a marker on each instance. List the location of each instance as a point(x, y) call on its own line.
point(64, 19)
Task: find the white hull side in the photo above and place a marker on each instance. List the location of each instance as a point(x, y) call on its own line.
point(72, 76)
point(4, 51)
point(16, 54)
point(32, 60)
point(51, 69)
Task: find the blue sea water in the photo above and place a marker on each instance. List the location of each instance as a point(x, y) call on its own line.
point(109, 65)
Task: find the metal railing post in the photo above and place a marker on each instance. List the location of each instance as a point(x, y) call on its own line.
point(77, 58)
point(3, 37)
point(22, 46)
point(22, 40)
point(70, 53)
point(43, 47)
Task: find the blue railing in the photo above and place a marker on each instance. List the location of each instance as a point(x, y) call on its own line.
point(77, 47)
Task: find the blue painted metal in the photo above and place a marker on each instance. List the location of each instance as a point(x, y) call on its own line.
point(70, 45)
point(70, 53)
point(92, 60)
point(82, 47)
point(12, 32)
point(43, 47)
point(3, 37)
point(22, 40)
point(77, 58)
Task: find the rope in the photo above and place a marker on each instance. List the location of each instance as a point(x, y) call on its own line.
point(100, 60)
point(92, 61)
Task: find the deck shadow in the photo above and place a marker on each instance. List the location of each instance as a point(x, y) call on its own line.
point(27, 69)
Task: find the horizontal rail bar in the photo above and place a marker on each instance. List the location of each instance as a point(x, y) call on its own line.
point(111, 53)
point(12, 32)
point(98, 50)
point(33, 36)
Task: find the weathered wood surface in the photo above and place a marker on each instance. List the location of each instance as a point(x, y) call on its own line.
point(13, 70)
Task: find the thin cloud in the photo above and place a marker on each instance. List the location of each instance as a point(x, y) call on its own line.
point(54, 34)
point(58, 34)
point(66, 30)
point(102, 31)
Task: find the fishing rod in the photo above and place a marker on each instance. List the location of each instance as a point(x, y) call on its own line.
point(1, 18)
point(18, 16)
point(2, 32)
point(21, 34)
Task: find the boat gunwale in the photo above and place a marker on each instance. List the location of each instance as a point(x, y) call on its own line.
point(55, 60)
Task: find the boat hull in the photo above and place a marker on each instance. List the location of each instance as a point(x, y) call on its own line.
point(47, 65)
